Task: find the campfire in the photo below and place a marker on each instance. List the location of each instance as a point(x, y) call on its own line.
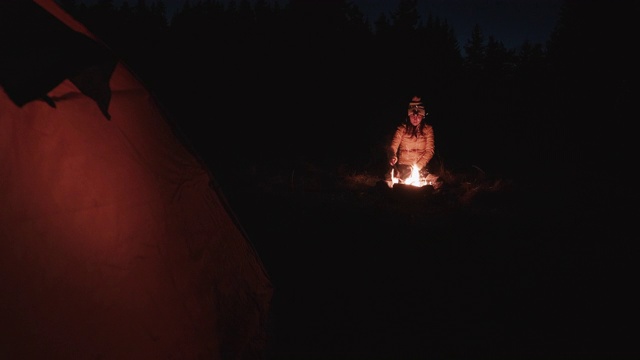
point(415, 179)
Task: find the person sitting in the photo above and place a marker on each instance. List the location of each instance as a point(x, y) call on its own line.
point(412, 147)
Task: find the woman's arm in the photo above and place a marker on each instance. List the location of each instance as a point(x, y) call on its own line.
point(392, 150)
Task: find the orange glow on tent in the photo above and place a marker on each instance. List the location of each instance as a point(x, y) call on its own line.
point(113, 244)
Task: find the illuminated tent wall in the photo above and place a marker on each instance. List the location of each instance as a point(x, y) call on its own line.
point(113, 242)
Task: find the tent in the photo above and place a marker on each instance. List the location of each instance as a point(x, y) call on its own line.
point(115, 242)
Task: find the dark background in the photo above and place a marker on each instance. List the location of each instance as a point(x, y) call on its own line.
point(528, 250)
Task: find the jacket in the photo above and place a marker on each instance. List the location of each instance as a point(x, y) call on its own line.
point(412, 150)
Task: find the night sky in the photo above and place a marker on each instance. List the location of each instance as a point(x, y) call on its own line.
point(509, 21)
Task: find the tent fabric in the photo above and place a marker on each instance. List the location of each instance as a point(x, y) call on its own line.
point(114, 244)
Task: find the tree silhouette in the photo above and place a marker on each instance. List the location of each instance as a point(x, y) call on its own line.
point(475, 49)
point(325, 56)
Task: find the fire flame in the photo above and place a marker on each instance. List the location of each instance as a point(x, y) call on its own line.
point(414, 179)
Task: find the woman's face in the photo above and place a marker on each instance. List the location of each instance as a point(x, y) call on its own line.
point(415, 118)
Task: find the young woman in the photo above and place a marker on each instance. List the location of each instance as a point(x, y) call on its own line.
point(412, 145)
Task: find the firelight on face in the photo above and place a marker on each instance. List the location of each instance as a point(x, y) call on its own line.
point(415, 118)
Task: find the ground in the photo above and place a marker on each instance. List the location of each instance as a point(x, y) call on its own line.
point(482, 267)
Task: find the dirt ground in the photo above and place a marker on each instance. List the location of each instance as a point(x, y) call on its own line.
point(479, 268)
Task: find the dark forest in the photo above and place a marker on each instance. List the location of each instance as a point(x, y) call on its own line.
point(313, 80)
